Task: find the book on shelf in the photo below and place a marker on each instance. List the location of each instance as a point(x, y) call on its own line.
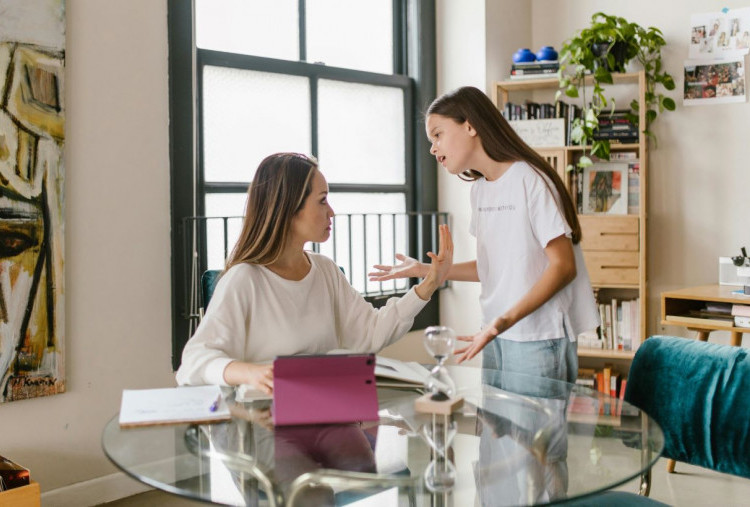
point(533, 72)
point(536, 65)
point(517, 77)
point(740, 311)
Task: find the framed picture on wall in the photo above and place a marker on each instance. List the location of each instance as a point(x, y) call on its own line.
point(605, 189)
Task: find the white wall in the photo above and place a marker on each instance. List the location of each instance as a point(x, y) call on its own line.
point(117, 273)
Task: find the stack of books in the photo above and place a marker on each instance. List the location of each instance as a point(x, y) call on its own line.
point(617, 127)
point(534, 70)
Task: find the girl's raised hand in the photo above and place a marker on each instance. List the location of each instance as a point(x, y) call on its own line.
point(409, 268)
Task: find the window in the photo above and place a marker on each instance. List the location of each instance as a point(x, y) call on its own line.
point(344, 80)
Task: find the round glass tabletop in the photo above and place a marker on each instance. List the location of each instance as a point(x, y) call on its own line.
point(515, 440)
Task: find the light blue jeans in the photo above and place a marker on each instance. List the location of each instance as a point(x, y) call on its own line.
point(555, 359)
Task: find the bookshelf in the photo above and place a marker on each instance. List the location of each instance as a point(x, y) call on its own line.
point(614, 246)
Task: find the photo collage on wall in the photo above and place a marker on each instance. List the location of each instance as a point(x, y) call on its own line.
point(715, 72)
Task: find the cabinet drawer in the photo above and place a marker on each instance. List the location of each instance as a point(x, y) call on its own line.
point(609, 233)
point(612, 268)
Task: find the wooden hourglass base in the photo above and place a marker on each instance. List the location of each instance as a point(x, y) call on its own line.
point(427, 405)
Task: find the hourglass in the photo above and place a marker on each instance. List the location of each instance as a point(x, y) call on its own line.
point(439, 342)
point(440, 401)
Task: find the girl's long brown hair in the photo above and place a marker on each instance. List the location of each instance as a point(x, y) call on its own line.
point(277, 192)
point(500, 142)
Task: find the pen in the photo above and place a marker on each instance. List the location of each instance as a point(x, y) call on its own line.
point(215, 405)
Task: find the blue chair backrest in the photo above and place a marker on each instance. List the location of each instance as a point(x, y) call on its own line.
point(208, 284)
point(699, 393)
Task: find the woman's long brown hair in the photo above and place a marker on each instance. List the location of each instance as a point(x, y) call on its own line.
point(500, 142)
point(277, 192)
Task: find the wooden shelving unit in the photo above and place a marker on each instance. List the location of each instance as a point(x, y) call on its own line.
point(614, 246)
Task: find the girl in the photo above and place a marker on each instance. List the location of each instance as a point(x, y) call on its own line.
point(276, 299)
point(535, 292)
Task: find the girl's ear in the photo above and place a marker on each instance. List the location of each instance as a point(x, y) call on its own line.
point(471, 130)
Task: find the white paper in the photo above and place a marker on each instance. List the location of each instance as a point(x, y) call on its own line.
point(412, 371)
point(172, 405)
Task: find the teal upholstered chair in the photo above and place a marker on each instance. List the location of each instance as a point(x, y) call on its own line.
point(208, 284)
point(699, 393)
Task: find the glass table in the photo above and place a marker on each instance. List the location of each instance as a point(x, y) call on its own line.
point(517, 440)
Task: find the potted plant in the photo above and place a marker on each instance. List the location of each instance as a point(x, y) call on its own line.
point(607, 46)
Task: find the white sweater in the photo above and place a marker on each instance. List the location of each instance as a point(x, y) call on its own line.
point(256, 315)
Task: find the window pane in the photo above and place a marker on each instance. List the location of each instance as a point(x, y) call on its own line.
point(222, 205)
point(356, 34)
point(358, 241)
point(244, 26)
point(247, 115)
point(361, 133)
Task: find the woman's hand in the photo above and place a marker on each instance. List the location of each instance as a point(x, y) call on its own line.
point(259, 376)
point(481, 339)
point(439, 267)
point(409, 268)
point(443, 260)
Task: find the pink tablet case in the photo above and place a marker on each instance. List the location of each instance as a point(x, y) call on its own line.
point(324, 389)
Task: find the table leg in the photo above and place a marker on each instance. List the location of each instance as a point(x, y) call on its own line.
point(703, 334)
point(735, 339)
point(670, 466)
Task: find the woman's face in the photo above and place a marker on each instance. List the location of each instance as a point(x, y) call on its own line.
point(313, 221)
point(453, 143)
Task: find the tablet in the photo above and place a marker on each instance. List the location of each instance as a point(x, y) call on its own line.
point(324, 389)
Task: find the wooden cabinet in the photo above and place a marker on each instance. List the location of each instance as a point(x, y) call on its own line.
point(614, 246)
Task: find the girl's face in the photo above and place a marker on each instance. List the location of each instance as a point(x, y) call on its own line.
point(313, 221)
point(453, 143)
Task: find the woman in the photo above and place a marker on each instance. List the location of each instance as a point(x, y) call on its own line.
point(276, 299)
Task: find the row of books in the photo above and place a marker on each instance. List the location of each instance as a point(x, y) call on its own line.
point(720, 314)
point(534, 70)
point(536, 111)
point(616, 126)
point(606, 381)
point(619, 329)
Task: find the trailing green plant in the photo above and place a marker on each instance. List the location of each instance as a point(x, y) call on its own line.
point(607, 46)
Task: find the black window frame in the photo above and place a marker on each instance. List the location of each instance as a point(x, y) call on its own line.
point(415, 73)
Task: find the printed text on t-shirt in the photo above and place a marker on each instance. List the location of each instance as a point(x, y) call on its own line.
point(506, 207)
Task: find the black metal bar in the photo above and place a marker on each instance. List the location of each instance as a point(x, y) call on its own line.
point(349, 225)
point(274, 66)
point(302, 10)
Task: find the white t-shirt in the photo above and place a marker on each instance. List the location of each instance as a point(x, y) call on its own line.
point(256, 315)
point(513, 219)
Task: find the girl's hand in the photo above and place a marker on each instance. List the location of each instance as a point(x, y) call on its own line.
point(409, 268)
point(481, 339)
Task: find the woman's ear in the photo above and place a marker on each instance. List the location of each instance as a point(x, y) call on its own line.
point(469, 129)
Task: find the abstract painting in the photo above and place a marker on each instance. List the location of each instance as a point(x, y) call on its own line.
point(32, 138)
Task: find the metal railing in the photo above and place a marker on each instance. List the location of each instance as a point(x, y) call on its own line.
point(357, 242)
